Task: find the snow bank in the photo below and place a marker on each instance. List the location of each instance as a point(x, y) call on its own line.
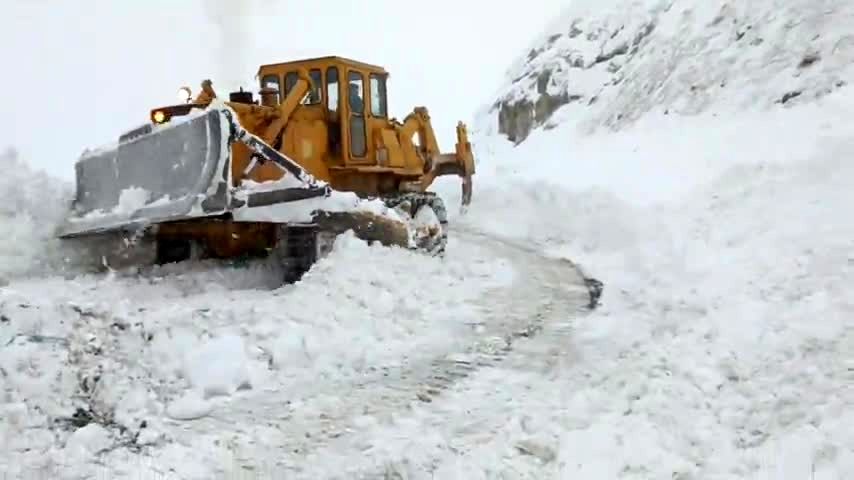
point(33, 205)
point(721, 342)
point(143, 355)
point(713, 212)
point(722, 348)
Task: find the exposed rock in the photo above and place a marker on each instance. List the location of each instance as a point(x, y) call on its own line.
point(516, 119)
point(547, 104)
point(532, 54)
point(789, 95)
point(809, 59)
point(622, 49)
point(543, 81)
point(642, 34)
point(627, 65)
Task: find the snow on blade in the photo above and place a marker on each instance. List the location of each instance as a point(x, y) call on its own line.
point(130, 200)
point(303, 210)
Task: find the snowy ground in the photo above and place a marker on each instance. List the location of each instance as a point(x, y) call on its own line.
point(724, 345)
point(208, 371)
point(181, 345)
point(723, 348)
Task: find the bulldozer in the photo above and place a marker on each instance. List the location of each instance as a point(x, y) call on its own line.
point(282, 175)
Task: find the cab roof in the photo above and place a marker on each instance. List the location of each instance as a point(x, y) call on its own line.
point(327, 59)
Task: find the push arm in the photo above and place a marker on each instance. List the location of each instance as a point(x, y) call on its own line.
point(290, 103)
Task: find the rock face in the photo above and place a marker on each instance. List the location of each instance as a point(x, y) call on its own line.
point(546, 81)
point(516, 119)
point(676, 57)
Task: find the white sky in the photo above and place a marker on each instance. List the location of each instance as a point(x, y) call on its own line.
point(79, 73)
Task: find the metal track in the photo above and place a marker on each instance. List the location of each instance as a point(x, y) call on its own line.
point(121, 249)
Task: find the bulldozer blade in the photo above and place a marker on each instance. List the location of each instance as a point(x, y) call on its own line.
point(182, 170)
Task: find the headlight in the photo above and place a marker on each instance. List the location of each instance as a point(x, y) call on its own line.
point(159, 116)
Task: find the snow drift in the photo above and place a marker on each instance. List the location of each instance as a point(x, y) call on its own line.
point(126, 357)
point(696, 157)
point(723, 346)
point(33, 205)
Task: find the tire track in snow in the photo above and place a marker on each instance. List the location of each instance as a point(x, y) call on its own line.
point(544, 288)
point(563, 298)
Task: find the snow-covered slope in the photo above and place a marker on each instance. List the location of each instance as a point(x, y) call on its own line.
point(32, 206)
point(713, 211)
point(725, 342)
point(613, 61)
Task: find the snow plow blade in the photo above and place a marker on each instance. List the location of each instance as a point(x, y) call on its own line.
point(177, 171)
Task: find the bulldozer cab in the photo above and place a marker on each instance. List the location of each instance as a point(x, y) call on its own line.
point(349, 96)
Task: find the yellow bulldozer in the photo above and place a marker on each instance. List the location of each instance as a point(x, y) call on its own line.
point(280, 175)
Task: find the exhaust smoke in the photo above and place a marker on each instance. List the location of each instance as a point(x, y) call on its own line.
point(232, 19)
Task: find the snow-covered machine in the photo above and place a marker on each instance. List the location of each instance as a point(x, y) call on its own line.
point(315, 156)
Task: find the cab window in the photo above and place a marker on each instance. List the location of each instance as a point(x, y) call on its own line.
point(314, 96)
point(356, 100)
point(356, 93)
point(290, 81)
point(379, 108)
point(332, 89)
point(272, 81)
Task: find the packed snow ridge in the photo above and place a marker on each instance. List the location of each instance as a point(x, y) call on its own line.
point(630, 57)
